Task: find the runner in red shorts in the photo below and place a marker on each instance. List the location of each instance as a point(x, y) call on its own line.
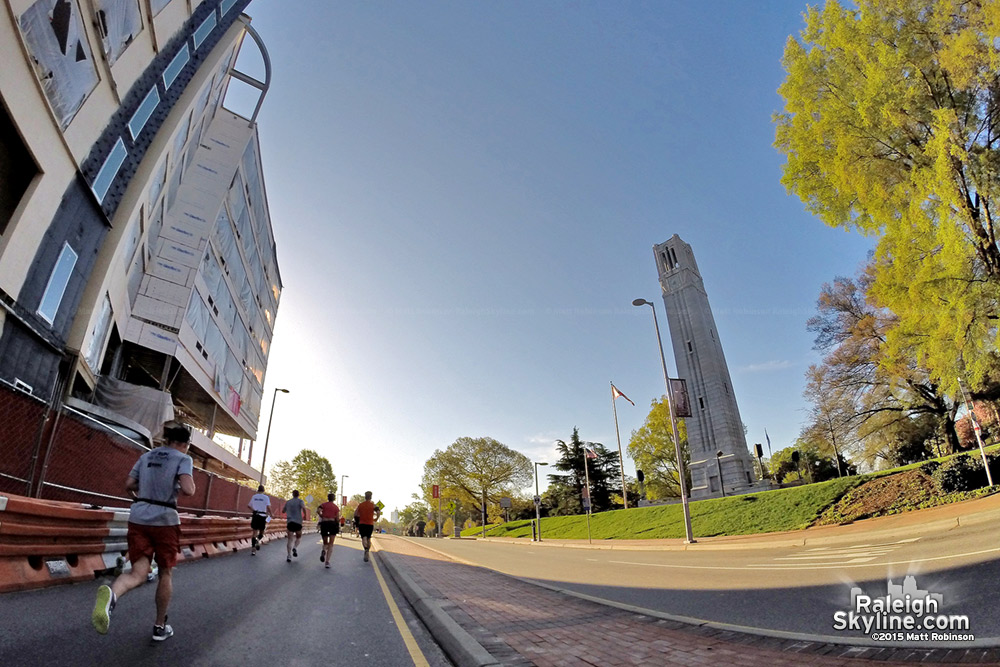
point(154, 527)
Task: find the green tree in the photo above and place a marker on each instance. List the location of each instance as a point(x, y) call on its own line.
point(652, 448)
point(472, 469)
point(308, 472)
point(890, 127)
point(566, 491)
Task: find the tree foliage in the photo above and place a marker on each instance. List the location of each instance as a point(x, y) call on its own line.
point(863, 400)
point(473, 467)
point(565, 491)
point(651, 446)
point(890, 128)
point(308, 472)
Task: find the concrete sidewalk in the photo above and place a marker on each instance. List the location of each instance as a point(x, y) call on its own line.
point(482, 617)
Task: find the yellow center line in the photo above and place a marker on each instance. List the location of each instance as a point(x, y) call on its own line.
point(411, 644)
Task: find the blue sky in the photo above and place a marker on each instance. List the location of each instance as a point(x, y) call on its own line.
point(465, 196)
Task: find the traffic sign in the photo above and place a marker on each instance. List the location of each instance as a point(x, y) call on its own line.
point(505, 503)
point(538, 500)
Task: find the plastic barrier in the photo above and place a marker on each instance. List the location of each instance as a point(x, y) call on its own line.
point(47, 542)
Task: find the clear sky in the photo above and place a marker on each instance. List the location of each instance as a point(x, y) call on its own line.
point(465, 196)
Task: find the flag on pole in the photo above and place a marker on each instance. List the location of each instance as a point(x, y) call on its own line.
point(617, 392)
point(768, 442)
point(589, 453)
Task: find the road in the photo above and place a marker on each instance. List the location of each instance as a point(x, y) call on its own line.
point(786, 588)
point(231, 610)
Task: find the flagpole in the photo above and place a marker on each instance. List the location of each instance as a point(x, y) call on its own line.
point(621, 459)
point(586, 473)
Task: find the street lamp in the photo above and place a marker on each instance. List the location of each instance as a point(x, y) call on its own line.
point(270, 419)
point(689, 537)
point(538, 503)
point(343, 495)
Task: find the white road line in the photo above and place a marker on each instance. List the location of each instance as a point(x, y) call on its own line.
point(836, 554)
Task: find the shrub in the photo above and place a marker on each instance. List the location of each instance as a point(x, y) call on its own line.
point(963, 473)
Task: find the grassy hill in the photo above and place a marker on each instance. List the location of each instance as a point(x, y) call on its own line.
point(835, 501)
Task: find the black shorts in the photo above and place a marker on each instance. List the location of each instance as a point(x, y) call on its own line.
point(365, 529)
point(293, 527)
point(328, 528)
point(258, 521)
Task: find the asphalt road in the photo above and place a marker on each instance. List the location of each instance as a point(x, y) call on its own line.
point(795, 589)
point(229, 610)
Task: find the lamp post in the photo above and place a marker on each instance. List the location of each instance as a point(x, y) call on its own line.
point(343, 495)
point(689, 536)
point(267, 439)
point(538, 503)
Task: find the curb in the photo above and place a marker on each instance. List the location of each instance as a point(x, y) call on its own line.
point(460, 646)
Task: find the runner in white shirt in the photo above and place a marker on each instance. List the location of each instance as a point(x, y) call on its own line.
point(260, 505)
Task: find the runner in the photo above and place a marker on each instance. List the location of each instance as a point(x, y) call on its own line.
point(329, 525)
point(364, 518)
point(260, 505)
point(154, 527)
point(294, 509)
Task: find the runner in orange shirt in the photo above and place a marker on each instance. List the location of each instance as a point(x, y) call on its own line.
point(329, 526)
point(364, 518)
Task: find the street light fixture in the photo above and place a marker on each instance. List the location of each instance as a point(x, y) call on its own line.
point(343, 494)
point(689, 536)
point(267, 439)
point(538, 503)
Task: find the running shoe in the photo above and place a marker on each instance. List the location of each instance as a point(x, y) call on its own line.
point(162, 632)
point(288, 560)
point(328, 566)
point(295, 553)
point(101, 618)
point(322, 556)
point(366, 555)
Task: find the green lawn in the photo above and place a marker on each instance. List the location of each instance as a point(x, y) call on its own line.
point(766, 512)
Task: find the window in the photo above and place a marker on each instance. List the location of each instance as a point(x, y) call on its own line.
point(156, 185)
point(204, 30)
point(690, 347)
point(119, 22)
point(98, 334)
point(57, 284)
point(17, 168)
point(106, 175)
point(54, 34)
point(158, 5)
point(701, 402)
point(142, 114)
point(227, 5)
point(175, 66)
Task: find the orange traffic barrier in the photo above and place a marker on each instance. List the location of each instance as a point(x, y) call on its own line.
point(46, 542)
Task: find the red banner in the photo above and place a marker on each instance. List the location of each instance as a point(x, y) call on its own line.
point(436, 491)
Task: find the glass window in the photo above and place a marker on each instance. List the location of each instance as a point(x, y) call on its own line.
point(106, 175)
point(158, 5)
point(58, 281)
point(227, 5)
point(181, 138)
point(156, 185)
point(98, 334)
point(175, 66)
point(145, 110)
point(204, 30)
point(17, 168)
point(119, 21)
point(54, 34)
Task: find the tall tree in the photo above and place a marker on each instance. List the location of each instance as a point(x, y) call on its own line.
point(652, 448)
point(860, 395)
point(473, 468)
point(308, 472)
point(891, 127)
point(566, 491)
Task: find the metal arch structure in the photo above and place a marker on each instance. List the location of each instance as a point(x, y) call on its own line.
point(262, 86)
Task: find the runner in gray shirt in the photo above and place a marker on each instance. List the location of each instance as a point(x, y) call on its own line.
point(294, 510)
point(154, 527)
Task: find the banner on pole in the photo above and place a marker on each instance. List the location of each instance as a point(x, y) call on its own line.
point(435, 491)
point(679, 397)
